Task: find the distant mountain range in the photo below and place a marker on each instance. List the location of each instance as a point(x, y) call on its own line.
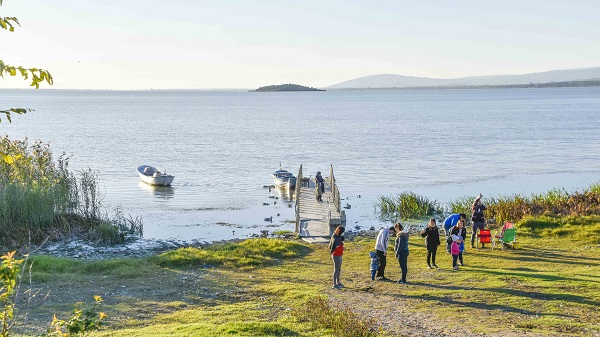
point(399, 81)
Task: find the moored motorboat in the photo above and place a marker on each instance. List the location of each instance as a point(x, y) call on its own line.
point(151, 176)
point(283, 178)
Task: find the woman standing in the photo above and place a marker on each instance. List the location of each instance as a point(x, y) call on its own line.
point(432, 240)
point(460, 231)
point(401, 249)
point(336, 249)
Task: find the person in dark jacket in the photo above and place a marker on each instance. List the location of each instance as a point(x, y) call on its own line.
point(401, 249)
point(320, 186)
point(432, 240)
point(477, 218)
point(460, 231)
point(336, 249)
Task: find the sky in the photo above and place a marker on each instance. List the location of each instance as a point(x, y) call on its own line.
point(206, 44)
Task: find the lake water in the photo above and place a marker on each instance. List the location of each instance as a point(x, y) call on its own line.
point(223, 146)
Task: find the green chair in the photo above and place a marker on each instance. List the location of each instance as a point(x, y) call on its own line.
point(508, 238)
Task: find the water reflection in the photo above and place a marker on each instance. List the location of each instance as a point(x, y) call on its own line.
point(284, 193)
point(163, 192)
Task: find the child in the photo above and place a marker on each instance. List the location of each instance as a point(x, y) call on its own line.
point(455, 250)
point(374, 264)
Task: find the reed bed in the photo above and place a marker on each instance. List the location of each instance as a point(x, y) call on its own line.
point(407, 205)
point(40, 198)
point(553, 203)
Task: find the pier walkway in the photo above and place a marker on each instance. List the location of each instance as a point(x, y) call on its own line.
point(315, 221)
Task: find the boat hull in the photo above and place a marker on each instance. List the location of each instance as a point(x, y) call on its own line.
point(146, 174)
point(283, 178)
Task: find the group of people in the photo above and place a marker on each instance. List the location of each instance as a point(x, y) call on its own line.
point(454, 230)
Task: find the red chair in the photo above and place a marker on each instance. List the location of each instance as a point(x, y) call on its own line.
point(484, 236)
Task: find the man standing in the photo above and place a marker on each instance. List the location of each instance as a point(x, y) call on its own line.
point(381, 246)
point(478, 219)
point(450, 222)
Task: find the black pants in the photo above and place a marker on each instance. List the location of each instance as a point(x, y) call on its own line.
point(457, 257)
point(381, 265)
point(403, 261)
point(431, 256)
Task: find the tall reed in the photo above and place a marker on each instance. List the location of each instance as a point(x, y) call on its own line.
point(40, 198)
point(407, 205)
point(553, 203)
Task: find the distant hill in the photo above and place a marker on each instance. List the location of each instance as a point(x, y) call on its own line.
point(285, 87)
point(399, 81)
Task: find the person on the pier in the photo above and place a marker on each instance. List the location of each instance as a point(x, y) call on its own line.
point(320, 186)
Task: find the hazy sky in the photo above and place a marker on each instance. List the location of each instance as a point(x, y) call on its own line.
point(200, 44)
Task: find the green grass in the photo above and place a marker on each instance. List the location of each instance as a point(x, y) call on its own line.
point(248, 253)
point(271, 287)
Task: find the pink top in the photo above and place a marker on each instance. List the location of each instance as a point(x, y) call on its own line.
point(455, 249)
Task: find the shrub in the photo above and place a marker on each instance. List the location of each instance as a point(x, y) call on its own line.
point(343, 322)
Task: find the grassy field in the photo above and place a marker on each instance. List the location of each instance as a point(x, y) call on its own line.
point(262, 287)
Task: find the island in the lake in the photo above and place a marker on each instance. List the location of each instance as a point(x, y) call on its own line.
point(285, 87)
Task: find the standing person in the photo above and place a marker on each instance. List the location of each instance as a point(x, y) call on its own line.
point(455, 250)
point(320, 186)
point(381, 246)
point(477, 218)
point(460, 231)
point(450, 222)
point(432, 240)
point(401, 249)
point(336, 249)
point(374, 263)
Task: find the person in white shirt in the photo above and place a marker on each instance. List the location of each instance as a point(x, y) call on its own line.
point(381, 246)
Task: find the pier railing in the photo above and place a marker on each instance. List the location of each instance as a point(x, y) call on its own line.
point(297, 198)
point(335, 192)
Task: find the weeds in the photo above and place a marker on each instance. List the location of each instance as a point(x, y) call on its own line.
point(343, 322)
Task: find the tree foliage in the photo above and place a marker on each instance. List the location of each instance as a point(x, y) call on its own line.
point(36, 75)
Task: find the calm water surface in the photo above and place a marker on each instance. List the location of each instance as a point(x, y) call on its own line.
point(223, 146)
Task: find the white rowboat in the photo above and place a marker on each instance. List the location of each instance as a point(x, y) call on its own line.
point(151, 176)
point(283, 178)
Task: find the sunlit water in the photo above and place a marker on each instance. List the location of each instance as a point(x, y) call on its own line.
point(223, 146)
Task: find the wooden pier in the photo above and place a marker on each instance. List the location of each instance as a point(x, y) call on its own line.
point(315, 221)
